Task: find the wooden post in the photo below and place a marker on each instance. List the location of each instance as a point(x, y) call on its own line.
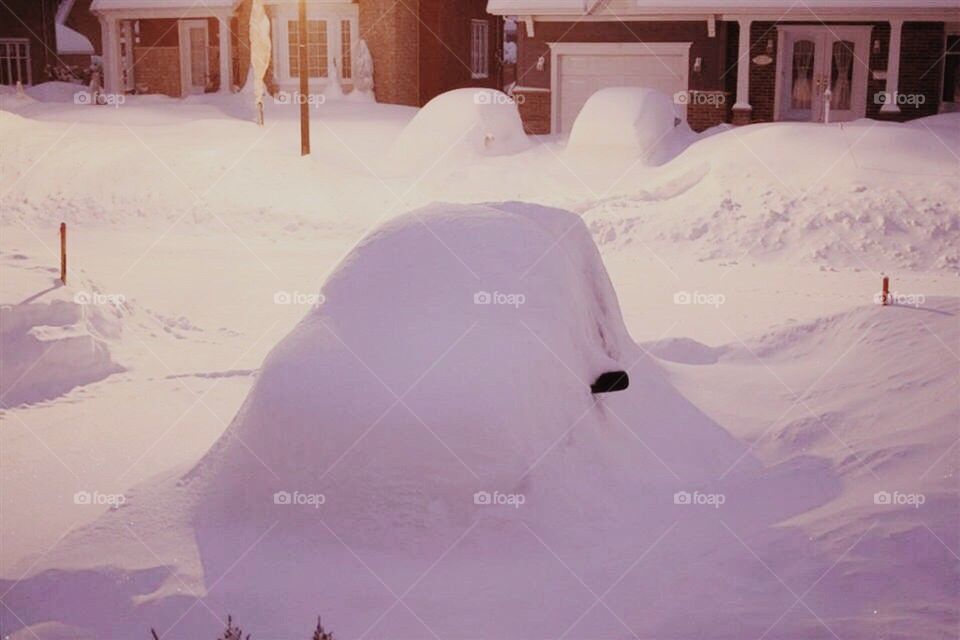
point(63, 252)
point(304, 81)
point(886, 290)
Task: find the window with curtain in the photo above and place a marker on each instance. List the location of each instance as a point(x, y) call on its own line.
point(841, 75)
point(317, 63)
point(480, 48)
point(802, 90)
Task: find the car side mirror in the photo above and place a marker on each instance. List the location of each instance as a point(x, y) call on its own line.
point(610, 381)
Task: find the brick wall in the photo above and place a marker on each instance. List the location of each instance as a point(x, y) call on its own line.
point(534, 107)
point(445, 46)
point(158, 68)
point(921, 69)
point(391, 30)
point(707, 109)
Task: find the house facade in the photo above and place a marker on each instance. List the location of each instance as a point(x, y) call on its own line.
point(181, 47)
point(40, 40)
point(738, 61)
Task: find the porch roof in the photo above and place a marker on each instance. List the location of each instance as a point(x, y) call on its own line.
point(175, 8)
point(783, 9)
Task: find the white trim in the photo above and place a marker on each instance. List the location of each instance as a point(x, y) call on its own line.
point(186, 51)
point(558, 49)
point(893, 67)
point(332, 12)
point(743, 66)
point(225, 53)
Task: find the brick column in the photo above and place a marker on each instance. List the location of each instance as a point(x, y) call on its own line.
point(742, 108)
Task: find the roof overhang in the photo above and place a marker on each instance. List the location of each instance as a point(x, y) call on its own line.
point(129, 9)
point(593, 10)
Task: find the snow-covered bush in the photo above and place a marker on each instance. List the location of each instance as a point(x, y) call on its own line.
point(461, 125)
point(623, 121)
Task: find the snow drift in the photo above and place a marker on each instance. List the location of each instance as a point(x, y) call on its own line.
point(461, 126)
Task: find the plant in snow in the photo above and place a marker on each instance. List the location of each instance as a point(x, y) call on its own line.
point(364, 69)
point(259, 53)
point(320, 634)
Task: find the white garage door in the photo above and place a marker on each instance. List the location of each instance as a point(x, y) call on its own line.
point(580, 69)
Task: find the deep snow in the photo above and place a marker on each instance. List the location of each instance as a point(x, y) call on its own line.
point(176, 202)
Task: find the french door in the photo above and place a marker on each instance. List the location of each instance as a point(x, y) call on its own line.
point(194, 56)
point(821, 70)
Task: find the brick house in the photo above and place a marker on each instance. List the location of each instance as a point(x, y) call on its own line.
point(419, 47)
point(42, 39)
point(739, 61)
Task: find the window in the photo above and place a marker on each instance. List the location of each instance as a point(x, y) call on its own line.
point(15, 61)
point(951, 70)
point(316, 48)
point(346, 50)
point(480, 48)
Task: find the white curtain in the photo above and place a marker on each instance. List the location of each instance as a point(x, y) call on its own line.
point(802, 95)
point(840, 83)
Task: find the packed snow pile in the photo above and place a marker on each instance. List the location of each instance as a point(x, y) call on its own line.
point(625, 121)
point(857, 195)
point(53, 338)
point(461, 126)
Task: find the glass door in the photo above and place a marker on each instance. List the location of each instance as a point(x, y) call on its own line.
point(194, 56)
point(821, 66)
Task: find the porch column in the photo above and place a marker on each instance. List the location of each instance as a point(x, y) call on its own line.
point(111, 54)
point(742, 108)
point(893, 68)
point(226, 68)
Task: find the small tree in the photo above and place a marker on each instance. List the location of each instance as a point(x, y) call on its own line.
point(232, 632)
point(319, 633)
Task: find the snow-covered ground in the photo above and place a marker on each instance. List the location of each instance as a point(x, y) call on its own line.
point(745, 263)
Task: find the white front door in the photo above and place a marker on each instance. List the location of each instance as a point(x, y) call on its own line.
point(581, 69)
point(820, 66)
point(194, 56)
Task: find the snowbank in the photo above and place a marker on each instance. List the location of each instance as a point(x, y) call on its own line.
point(626, 121)
point(461, 126)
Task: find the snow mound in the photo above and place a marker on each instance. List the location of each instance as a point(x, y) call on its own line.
point(55, 91)
point(629, 121)
point(461, 126)
point(55, 339)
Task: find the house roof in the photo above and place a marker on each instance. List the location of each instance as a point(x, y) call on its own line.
point(114, 5)
point(653, 7)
